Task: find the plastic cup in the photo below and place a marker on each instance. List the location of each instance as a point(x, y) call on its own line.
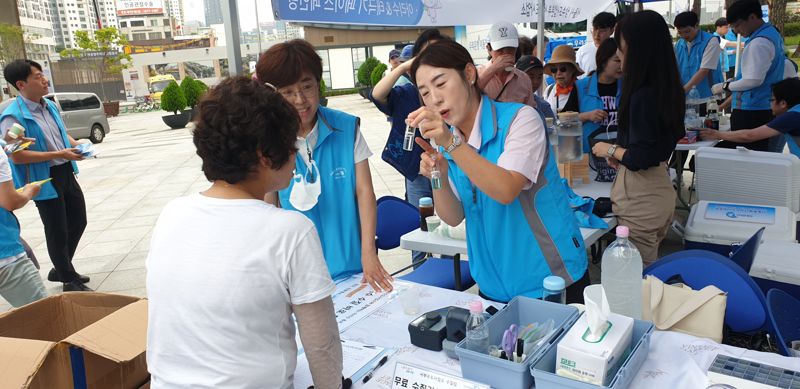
point(433, 222)
point(16, 131)
point(409, 299)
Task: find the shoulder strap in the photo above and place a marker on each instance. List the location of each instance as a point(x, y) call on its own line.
point(696, 301)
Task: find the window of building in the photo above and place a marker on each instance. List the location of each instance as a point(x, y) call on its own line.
point(167, 35)
point(166, 22)
point(139, 37)
point(359, 55)
point(123, 24)
point(137, 23)
point(326, 70)
point(154, 36)
point(153, 22)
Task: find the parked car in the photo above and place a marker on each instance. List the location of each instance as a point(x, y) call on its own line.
point(82, 113)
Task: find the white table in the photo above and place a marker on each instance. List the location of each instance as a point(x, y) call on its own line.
point(675, 360)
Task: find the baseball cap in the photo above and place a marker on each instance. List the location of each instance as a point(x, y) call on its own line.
point(407, 53)
point(503, 34)
point(527, 62)
point(394, 54)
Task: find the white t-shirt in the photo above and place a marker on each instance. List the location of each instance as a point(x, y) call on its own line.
point(361, 150)
point(222, 276)
point(788, 69)
point(5, 176)
point(586, 57)
point(755, 61)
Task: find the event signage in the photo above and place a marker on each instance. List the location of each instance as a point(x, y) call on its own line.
point(139, 7)
point(414, 377)
point(433, 12)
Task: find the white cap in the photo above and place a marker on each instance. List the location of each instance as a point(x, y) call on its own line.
point(503, 34)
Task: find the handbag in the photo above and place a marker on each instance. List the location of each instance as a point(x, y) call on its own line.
point(678, 308)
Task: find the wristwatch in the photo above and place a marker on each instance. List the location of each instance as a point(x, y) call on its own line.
point(611, 151)
point(453, 144)
point(725, 86)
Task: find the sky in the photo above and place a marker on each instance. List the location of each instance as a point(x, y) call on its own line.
point(195, 10)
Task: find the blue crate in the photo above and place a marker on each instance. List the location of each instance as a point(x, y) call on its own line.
point(544, 369)
point(504, 374)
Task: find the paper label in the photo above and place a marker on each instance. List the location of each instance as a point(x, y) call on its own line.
point(415, 377)
point(741, 213)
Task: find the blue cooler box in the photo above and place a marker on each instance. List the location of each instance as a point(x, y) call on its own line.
point(720, 227)
point(503, 374)
point(777, 265)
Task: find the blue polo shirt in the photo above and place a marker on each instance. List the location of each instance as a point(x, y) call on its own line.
point(402, 100)
point(788, 123)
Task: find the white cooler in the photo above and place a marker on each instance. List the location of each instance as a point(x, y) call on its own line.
point(717, 226)
point(777, 265)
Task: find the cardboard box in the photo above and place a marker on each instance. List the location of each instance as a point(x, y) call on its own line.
point(594, 362)
point(75, 340)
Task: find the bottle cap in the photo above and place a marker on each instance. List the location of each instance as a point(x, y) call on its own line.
point(554, 283)
point(623, 232)
point(425, 202)
point(476, 306)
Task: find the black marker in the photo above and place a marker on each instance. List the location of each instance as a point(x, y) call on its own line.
point(378, 366)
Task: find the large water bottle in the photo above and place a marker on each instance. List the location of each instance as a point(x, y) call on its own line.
point(621, 276)
point(477, 333)
point(693, 100)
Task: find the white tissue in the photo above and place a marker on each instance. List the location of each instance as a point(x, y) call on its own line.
point(597, 311)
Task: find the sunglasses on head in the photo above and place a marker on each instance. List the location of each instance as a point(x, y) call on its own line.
point(555, 69)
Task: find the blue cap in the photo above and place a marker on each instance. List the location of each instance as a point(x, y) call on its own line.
point(554, 283)
point(394, 54)
point(427, 201)
point(407, 53)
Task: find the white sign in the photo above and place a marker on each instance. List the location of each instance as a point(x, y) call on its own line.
point(354, 301)
point(434, 12)
point(139, 7)
point(413, 377)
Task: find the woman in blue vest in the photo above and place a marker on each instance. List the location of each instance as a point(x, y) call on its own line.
point(332, 185)
point(498, 173)
point(785, 105)
point(599, 93)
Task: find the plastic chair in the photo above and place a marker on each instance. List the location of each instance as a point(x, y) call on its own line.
point(746, 253)
point(396, 218)
point(784, 319)
point(746, 309)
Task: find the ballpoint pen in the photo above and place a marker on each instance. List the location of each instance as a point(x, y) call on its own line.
point(372, 371)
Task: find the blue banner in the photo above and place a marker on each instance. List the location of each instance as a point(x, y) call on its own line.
point(376, 12)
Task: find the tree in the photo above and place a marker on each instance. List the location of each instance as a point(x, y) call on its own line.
point(12, 43)
point(365, 71)
point(173, 99)
point(777, 14)
point(377, 73)
point(107, 44)
point(696, 7)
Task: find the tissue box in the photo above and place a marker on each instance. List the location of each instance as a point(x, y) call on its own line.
point(594, 362)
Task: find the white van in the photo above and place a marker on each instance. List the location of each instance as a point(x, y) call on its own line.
point(83, 115)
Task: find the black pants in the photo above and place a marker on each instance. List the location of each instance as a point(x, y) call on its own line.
point(745, 120)
point(64, 219)
point(574, 291)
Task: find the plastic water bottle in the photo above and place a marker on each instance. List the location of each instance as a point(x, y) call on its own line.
point(621, 276)
point(712, 117)
point(693, 100)
point(553, 290)
point(477, 333)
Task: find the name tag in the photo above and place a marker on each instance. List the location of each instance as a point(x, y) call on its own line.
point(415, 377)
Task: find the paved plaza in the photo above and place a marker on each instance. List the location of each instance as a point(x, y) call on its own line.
point(143, 165)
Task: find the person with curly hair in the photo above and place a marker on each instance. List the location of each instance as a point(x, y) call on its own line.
point(332, 185)
point(226, 270)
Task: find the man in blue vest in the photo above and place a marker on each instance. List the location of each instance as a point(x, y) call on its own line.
point(60, 202)
point(785, 104)
point(698, 54)
point(761, 66)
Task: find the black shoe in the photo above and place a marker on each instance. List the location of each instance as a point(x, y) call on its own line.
point(53, 277)
point(77, 286)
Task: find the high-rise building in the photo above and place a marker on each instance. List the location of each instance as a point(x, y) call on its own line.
point(69, 16)
point(145, 22)
point(213, 12)
point(35, 18)
point(175, 10)
point(286, 31)
point(108, 12)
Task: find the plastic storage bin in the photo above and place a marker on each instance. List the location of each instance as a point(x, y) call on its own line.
point(504, 374)
point(544, 368)
point(777, 265)
point(706, 231)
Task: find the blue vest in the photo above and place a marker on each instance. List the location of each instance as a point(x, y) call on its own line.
point(792, 140)
point(732, 52)
point(723, 56)
point(26, 173)
point(757, 99)
point(9, 234)
point(689, 62)
point(336, 213)
point(589, 101)
point(513, 247)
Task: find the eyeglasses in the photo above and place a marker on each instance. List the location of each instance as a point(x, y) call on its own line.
point(556, 69)
point(307, 91)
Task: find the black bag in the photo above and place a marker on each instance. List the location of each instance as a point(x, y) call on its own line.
point(605, 173)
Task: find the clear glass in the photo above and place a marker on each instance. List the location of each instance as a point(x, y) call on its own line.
point(570, 140)
point(477, 333)
point(554, 296)
point(409, 299)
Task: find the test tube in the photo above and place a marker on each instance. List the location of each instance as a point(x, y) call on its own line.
point(408, 139)
point(436, 176)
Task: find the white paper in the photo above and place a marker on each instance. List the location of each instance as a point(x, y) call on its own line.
point(355, 357)
point(353, 301)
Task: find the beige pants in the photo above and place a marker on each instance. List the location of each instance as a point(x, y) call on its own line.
point(644, 201)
